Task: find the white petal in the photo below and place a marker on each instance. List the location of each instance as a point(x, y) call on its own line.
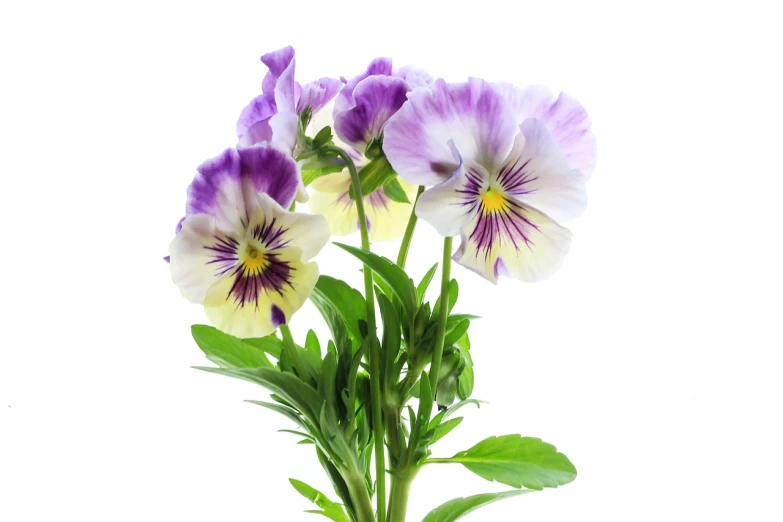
point(530, 249)
point(537, 174)
point(452, 204)
point(200, 255)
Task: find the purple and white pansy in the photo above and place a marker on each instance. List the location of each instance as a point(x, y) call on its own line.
point(507, 164)
point(274, 114)
point(238, 251)
point(361, 111)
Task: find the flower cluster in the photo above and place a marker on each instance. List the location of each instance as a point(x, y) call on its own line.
point(501, 167)
point(506, 166)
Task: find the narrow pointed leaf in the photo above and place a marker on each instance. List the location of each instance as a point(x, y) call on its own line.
point(345, 300)
point(392, 275)
point(226, 350)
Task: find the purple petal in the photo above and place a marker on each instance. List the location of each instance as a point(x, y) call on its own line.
point(278, 317)
point(277, 62)
point(318, 93)
point(377, 99)
point(216, 191)
point(267, 169)
point(226, 187)
point(379, 66)
point(564, 117)
point(261, 108)
point(473, 114)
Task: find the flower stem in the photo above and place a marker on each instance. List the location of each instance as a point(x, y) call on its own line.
point(402, 257)
point(374, 352)
point(400, 491)
point(357, 487)
point(443, 315)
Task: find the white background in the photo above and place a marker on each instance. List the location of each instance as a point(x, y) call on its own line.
point(650, 359)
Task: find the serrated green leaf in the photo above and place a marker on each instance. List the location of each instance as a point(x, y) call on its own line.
point(517, 461)
point(459, 507)
point(393, 275)
point(343, 299)
point(226, 350)
point(393, 189)
point(329, 509)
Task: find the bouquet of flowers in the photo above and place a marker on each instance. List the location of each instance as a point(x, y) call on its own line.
point(500, 166)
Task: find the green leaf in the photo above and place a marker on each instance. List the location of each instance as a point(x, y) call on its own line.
point(425, 282)
point(465, 378)
point(459, 507)
point(444, 429)
point(344, 299)
point(392, 275)
point(373, 175)
point(517, 461)
point(286, 385)
point(270, 344)
point(226, 350)
point(282, 410)
point(329, 509)
point(394, 190)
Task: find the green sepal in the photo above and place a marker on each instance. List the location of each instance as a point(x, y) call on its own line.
point(373, 175)
point(393, 189)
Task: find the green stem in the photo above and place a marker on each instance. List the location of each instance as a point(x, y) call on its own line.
point(443, 315)
point(362, 502)
point(374, 351)
point(402, 257)
point(400, 492)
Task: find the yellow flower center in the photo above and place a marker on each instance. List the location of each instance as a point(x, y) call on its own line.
point(254, 260)
point(493, 200)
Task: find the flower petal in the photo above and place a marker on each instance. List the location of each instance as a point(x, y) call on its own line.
point(536, 173)
point(200, 255)
point(329, 198)
point(524, 244)
point(261, 108)
point(216, 190)
point(268, 309)
point(447, 206)
point(345, 100)
point(273, 278)
point(563, 116)
point(473, 114)
point(388, 219)
point(266, 169)
point(277, 62)
point(376, 99)
point(318, 94)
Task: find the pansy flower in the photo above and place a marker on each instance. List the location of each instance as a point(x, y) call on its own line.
point(238, 251)
point(274, 114)
point(505, 164)
point(361, 111)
